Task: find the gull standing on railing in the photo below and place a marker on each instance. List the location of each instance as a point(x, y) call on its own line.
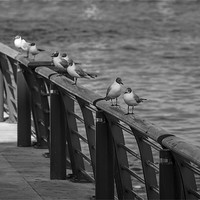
point(60, 64)
point(22, 44)
point(18, 42)
point(132, 99)
point(77, 72)
point(113, 92)
point(33, 50)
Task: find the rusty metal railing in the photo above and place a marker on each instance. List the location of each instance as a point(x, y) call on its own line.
point(124, 156)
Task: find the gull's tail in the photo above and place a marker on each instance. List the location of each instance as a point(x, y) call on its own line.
point(41, 50)
point(142, 99)
point(92, 75)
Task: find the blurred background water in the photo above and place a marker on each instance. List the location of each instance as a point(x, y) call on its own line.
point(154, 46)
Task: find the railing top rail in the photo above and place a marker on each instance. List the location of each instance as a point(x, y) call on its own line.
point(182, 148)
point(134, 121)
point(20, 58)
point(8, 51)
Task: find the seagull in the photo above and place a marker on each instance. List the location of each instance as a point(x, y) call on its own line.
point(34, 50)
point(59, 63)
point(113, 92)
point(18, 41)
point(132, 99)
point(77, 72)
point(21, 43)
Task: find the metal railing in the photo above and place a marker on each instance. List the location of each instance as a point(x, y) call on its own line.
point(124, 156)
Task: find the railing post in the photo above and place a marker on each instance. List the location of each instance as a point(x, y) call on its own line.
point(167, 176)
point(104, 159)
point(1, 96)
point(57, 136)
point(24, 111)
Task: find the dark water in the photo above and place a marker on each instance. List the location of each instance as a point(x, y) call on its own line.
point(154, 46)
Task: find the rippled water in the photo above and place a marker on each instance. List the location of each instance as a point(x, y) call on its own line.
point(154, 46)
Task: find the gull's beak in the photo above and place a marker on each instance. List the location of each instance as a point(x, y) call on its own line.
point(121, 83)
point(125, 92)
point(52, 55)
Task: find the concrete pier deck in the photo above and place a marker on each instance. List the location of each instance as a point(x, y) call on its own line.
point(24, 173)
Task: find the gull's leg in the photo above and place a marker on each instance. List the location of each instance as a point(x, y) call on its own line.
point(75, 81)
point(132, 109)
point(116, 103)
point(128, 111)
point(112, 102)
point(27, 54)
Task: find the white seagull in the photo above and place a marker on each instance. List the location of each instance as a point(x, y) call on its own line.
point(21, 43)
point(77, 72)
point(59, 63)
point(114, 91)
point(34, 50)
point(132, 99)
point(18, 41)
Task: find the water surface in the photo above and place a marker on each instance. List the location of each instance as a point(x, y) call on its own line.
point(153, 46)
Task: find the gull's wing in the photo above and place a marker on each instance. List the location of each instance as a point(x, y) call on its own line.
point(64, 63)
point(137, 98)
point(80, 72)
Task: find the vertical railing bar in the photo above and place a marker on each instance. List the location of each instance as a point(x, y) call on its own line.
point(57, 137)
point(104, 159)
point(24, 111)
